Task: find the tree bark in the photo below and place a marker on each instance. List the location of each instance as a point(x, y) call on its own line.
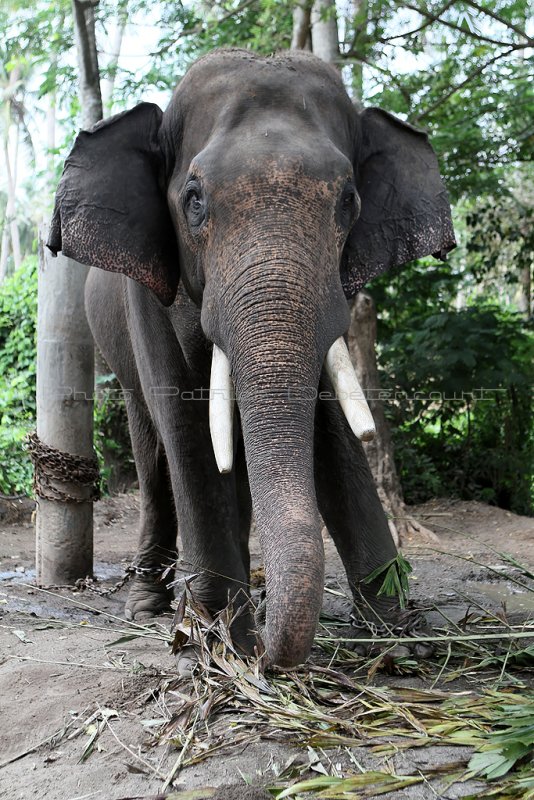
point(108, 85)
point(360, 11)
point(324, 33)
point(4, 249)
point(525, 291)
point(10, 234)
point(11, 174)
point(301, 36)
point(380, 453)
point(50, 135)
point(89, 75)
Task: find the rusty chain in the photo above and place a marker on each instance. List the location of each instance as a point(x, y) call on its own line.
point(50, 464)
point(129, 572)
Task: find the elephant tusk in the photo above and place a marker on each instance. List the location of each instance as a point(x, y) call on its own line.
point(349, 392)
point(221, 411)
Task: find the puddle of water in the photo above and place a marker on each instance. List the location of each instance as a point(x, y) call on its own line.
point(102, 570)
point(42, 611)
point(516, 599)
point(18, 577)
point(47, 608)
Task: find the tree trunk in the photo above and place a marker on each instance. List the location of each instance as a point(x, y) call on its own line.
point(108, 85)
point(50, 136)
point(11, 174)
point(324, 34)
point(360, 12)
point(301, 36)
point(10, 234)
point(4, 248)
point(51, 132)
point(362, 347)
point(89, 75)
point(525, 291)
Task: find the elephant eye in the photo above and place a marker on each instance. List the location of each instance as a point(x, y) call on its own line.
point(194, 204)
point(349, 205)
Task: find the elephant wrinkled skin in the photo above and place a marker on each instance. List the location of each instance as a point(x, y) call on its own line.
point(246, 215)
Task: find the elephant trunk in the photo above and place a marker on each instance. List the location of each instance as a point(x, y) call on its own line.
point(276, 366)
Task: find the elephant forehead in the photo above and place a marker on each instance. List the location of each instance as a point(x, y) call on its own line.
point(233, 93)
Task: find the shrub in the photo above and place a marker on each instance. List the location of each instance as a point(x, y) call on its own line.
point(18, 319)
point(18, 324)
point(464, 428)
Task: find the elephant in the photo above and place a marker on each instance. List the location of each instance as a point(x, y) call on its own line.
point(226, 236)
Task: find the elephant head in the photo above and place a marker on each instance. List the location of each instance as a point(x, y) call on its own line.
point(274, 200)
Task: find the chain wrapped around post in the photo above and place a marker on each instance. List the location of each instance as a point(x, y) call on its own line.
point(51, 465)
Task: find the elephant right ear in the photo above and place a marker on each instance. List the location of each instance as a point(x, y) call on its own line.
point(111, 211)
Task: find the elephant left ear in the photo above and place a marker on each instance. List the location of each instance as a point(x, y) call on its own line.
point(405, 211)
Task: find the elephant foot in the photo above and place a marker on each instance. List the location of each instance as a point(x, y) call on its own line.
point(387, 623)
point(148, 597)
point(235, 624)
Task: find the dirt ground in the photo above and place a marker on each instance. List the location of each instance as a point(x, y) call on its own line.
point(78, 710)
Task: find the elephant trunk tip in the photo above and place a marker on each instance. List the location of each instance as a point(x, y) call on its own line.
point(286, 653)
point(292, 609)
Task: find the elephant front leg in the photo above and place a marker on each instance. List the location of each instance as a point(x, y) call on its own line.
point(213, 513)
point(352, 512)
point(148, 594)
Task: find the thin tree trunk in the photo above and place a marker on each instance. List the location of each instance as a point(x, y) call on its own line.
point(525, 291)
point(301, 36)
point(10, 233)
point(50, 136)
point(10, 236)
point(324, 33)
point(4, 249)
point(11, 174)
point(360, 11)
point(89, 75)
point(108, 85)
point(51, 129)
point(362, 347)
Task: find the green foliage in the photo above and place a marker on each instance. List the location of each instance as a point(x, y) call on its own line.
point(500, 241)
point(188, 32)
point(111, 437)
point(18, 320)
point(18, 315)
point(461, 408)
point(510, 741)
point(470, 86)
point(395, 579)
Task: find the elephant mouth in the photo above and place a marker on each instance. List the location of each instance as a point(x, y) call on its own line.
point(344, 381)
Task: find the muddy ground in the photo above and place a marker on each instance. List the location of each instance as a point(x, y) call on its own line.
point(59, 668)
